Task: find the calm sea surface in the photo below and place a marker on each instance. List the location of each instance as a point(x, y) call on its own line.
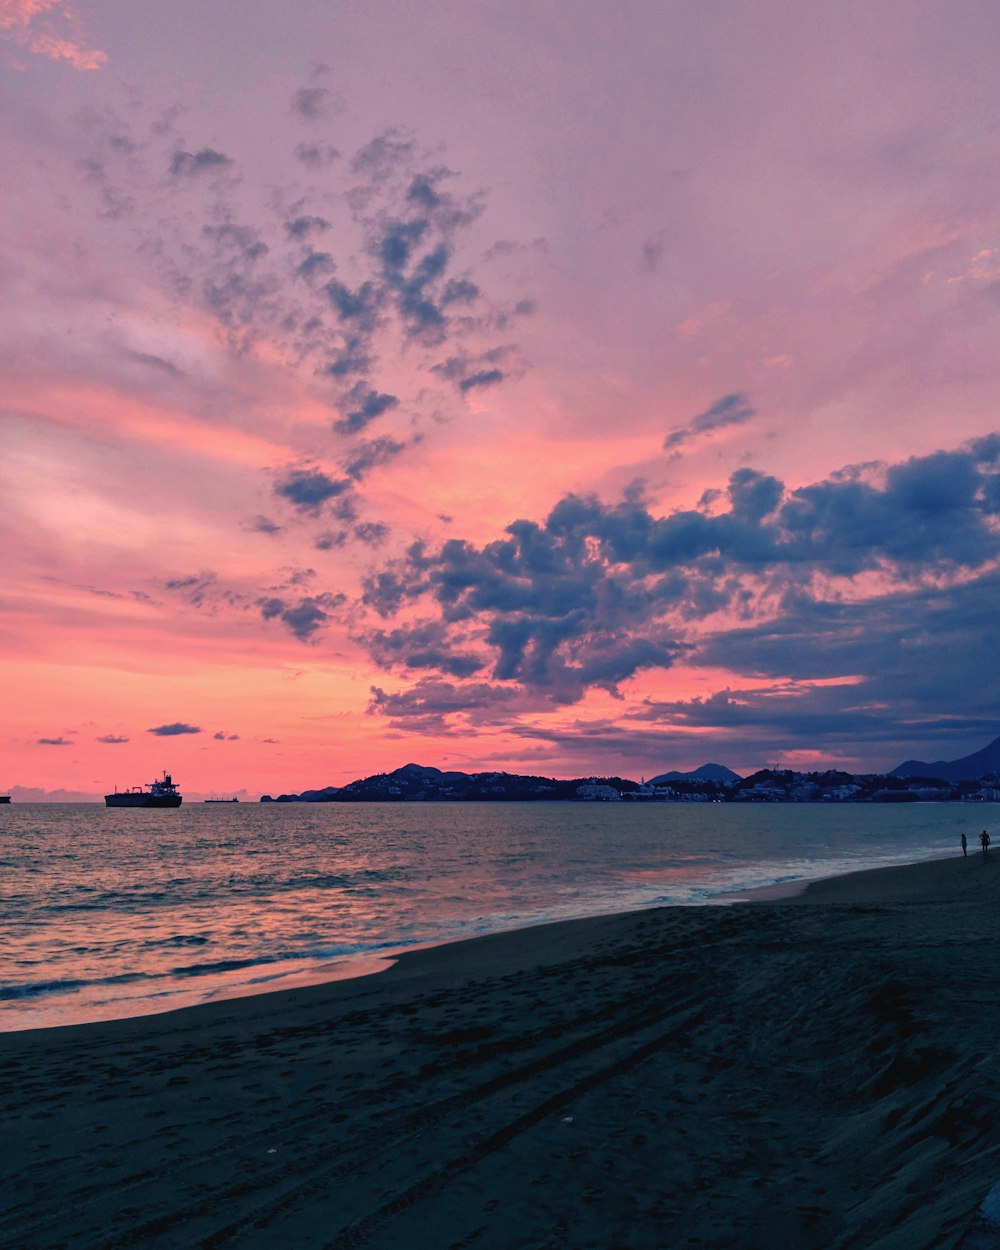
point(107, 913)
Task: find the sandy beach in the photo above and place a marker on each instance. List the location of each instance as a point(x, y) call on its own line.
point(814, 1071)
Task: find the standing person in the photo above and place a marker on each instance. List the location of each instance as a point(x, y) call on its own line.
point(965, 845)
point(984, 838)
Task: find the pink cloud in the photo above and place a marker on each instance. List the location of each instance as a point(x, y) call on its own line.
point(48, 28)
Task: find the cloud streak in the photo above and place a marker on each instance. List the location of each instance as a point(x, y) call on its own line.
point(726, 412)
point(367, 265)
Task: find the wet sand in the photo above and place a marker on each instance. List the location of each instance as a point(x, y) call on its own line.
point(818, 1071)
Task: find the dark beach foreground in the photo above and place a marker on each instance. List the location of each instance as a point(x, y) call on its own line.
point(811, 1072)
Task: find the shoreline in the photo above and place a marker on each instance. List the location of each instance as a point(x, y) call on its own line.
point(817, 1071)
point(373, 962)
point(920, 880)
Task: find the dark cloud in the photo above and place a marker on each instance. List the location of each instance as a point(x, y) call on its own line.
point(652, 254)
point(359, 306)
point(467, 372)
point(316, 265)
point(235, 282)
point(598, 593)
point(165, 122)
point(262, 525)
point(353, 358)
point(345, 509)
point(412, 250)
point(305, 227)
point(551, 615)
point(114, 203)
point(371, 533)
point(370, 455)
point(304, 617)
point(653, 748)
point(430, 705)
point(730, 410)
point(753, 495)
point(904, 667)
point(155, 362)
point(415, 281)
point(460, 291)
point(91, 169)
point(316, 155)
point(641, 749)
point(311, 102)
point(399, 271)
point(174, 729)
point(196, 588)
point(931, 508)
point(242, 241)
point(297, 577)
point(331, 540)
point(112, 740)
point(378, 159)
point(403, 283)
point(55, 742)
point(423, 646)
point(309, 489)
point(219, 736)
point(914, 649)
point(368, 406)
point(484, 377)
point(190, 164)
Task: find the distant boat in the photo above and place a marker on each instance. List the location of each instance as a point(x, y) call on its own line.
point(233, 800)
point(160, 794)
point(4, 798)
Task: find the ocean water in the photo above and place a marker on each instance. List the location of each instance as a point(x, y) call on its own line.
point(107, 913)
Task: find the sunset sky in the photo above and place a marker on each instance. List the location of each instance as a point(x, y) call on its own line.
point(553, 386)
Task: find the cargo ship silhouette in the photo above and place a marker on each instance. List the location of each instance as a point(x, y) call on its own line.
point(160, 794)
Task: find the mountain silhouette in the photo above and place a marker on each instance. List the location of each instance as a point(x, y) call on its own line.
point(707, 772)
point(968, 768)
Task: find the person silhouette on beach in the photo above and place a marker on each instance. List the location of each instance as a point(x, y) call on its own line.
point(965, 845)
point(984, 838)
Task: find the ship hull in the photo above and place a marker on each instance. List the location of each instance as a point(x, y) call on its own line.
point(142, 800)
